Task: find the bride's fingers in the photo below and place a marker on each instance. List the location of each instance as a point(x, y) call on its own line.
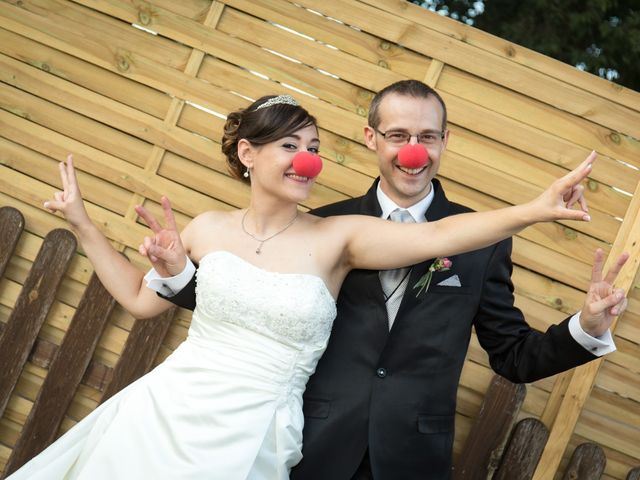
point(147, 242)
point(63, 175)
point(148, 218)
point(72, 178)
point(168, 213)
point(59, 196)
point(583, 202)
point(570, 214)
point(158, 252)
point(53, 206)
point(576, 195)
point(575, 176)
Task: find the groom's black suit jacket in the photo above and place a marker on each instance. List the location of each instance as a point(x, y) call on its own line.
point(394, 392)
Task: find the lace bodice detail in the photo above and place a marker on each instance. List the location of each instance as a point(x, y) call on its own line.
point(292, 308)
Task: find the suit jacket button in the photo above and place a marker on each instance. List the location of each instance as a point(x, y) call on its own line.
point(381, 372)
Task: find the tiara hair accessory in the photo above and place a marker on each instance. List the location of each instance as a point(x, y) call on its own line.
point(279, 100)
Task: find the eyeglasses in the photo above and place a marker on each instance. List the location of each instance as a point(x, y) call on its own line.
point(397, 137)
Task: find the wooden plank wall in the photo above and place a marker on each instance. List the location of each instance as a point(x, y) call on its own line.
point(142, 111)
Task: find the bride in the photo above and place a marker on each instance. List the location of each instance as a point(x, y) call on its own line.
point(227, 403)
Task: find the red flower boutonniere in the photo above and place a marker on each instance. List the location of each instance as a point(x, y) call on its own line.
point(440, 264)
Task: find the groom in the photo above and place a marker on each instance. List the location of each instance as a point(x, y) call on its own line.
point(382, 401)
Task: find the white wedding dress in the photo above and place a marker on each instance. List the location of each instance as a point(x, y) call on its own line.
point(226, 404)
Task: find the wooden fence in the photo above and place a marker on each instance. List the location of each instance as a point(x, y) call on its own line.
point(67, 364)
point(138, 90)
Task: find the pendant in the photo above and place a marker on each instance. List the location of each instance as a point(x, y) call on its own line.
point(259, 249)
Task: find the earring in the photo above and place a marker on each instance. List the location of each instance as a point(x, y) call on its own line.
point(246, 173)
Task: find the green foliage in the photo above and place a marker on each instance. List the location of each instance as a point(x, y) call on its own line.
point(598, 36)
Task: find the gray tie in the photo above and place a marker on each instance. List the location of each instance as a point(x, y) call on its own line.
point(394, 282)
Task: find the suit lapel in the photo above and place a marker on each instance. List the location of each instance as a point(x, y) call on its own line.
point(369, 279)
point(369, 204)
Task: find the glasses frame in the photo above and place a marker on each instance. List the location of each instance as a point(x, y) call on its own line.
point(441, 134)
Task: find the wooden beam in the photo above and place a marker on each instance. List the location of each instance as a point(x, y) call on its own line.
point(433, 74)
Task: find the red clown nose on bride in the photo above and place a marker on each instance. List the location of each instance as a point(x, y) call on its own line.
point(307, 164)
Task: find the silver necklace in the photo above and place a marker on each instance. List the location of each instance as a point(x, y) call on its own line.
point(262, 240)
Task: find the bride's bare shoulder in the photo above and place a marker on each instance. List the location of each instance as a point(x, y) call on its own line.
point(208, 222)
point(212, 218)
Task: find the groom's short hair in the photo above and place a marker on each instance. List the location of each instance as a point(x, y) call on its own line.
point(410, 88)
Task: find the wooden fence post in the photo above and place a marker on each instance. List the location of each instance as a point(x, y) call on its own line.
point(484, 446)
point(139, 352)
point(587, 463)
point(32, 307)
point(11, 227)
point(634, 474)
point(523, 451)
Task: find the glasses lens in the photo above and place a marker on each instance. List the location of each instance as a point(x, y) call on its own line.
point(430, 138)
point(397, 138)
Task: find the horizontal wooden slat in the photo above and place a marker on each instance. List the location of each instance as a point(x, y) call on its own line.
point(515, 190)
point(342, 37)
point(40, 19)
point(488, 65)
point(558, 237)
point(61, 120)
point(107, 111)
point(41, 167)
point(97, 79)
point(607, 172)
point(524, 56)
point(194, 9)
point(527, 110)
point(524, 137)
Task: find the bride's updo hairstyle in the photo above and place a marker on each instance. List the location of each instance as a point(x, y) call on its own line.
point(264, 121)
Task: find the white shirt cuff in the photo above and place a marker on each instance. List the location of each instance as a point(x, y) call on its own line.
point(169, 286)
point(597, 345)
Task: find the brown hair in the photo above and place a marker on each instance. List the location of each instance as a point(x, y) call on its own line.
point(260, 126)
point(410, 88)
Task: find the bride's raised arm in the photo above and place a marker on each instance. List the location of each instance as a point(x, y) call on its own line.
point(122, 279)
point(377, 244)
